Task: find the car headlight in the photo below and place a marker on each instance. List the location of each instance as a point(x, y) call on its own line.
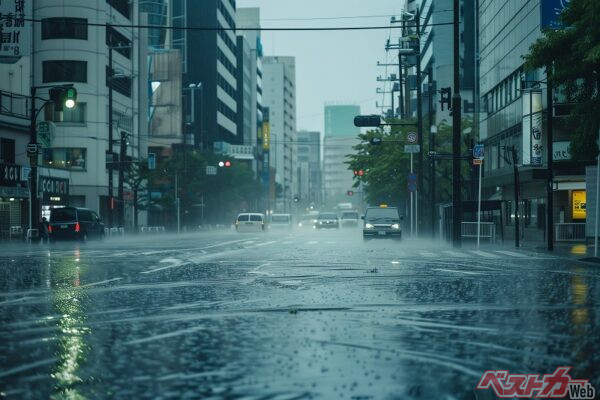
point(369, 226)
point(299, 223)
point(320, 222)
point(396, 226)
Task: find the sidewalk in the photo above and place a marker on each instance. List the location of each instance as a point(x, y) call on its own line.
point(574, 250)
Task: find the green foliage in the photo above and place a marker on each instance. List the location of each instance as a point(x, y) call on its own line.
point(574, 53)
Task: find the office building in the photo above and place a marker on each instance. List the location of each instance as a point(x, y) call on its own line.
point(309, 168)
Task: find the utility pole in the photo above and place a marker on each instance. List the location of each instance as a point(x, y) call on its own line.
point(400, 79)
point(34, 216)
point(122, 155)
point(419, 115)
point(456, 134)
point(516, 180)
point(110, 136)
point(431, 150)
point(550, 161)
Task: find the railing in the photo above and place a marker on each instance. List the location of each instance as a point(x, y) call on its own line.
point(152, 229)
point(569, 232)
point(14, 105)
point(488, 230)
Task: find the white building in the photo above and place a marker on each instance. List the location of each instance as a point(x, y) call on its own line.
point(279, 95)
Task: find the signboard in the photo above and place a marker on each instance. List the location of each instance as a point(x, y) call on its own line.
point(532, 127)
point(45, 133)
point(211, 170)
point(412, 148)
point(477, 161)
point(25, 173)
point(579, 204)
point(266, 139)
point(412, 178)
point(561, 150)
point(15, 32)
point(412, 187)
point(411, 137)
point(478, 151)
point(151, 161)
point(10, 175)
point(551, 10)
point(54, 190)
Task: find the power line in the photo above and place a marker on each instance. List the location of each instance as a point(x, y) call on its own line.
point(209, 29)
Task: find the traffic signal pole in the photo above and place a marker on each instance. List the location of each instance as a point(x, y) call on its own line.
point(456, 134)
point(34, 217)
point(110, 137)
point(419, 118)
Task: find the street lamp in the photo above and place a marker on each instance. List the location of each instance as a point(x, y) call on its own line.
point(193, 87)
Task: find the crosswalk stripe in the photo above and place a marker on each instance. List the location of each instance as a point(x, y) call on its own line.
point(510, 253)
point(484, 254)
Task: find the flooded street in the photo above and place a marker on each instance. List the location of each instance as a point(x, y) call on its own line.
point(286, 315)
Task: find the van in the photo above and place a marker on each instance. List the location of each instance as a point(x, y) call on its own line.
point(73, 223)
point(250, 222)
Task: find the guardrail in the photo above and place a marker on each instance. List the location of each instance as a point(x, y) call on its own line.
point(114, 231)
point(569, 232)
point(469, 230)
point(152, 229)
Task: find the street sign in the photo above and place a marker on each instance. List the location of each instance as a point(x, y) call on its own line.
point(478, 151)
point(211, 170)
point(412, 148)
point(412, 187)
point(151, 161)
point(412, 178)
point(477, 161)
point(411, 137)
point(25, 173)
point(32, 148)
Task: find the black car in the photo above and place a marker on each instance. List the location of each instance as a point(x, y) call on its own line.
point(327, 220)
point(72, 223)
point(382, 222)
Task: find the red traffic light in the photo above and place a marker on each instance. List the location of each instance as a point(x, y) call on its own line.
point(359, 172)
point(228, 163)
point(350, 193)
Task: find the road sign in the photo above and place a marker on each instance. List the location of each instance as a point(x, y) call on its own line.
point(477, 161)
point(32, 148)
point(211, 170)
point(412, 148)
point(412, 187)
point(151, 160)
point(411, 137)
point(478, 151)
point(412, 178)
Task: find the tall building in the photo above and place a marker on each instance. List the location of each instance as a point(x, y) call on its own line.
point(209, 58)
point(158, 20)
point(309, 168)
point(279, 95)
point(514, 115)
point(245, 112)
point(340, 136)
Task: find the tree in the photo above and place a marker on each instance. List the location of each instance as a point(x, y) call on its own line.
point(573, 53)
point(137, 179)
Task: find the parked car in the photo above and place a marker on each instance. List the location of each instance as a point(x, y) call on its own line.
point(74, 223)
point(349, 219)
point(250, 222)
point(279, 221)
point(308, 221)
point(327, 220)
point(382, 222)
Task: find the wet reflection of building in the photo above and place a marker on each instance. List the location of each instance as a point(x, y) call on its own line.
point(69, 301)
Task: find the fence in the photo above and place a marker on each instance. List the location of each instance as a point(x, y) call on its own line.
point(488, 230)
point(569, 232)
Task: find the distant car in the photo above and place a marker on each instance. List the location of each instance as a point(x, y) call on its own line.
point(308, 221)
point(327, 220)
point(382, 222)
point(349, 219)
point(73, 223)
point(279, 221)
point(250, 222)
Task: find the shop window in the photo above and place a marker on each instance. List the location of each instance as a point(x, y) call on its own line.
point(66, 158)
point(64, 28)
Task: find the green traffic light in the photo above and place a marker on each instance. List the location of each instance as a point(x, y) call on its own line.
point(70, 98)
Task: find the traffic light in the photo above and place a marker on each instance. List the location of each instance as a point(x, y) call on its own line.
point(446, 97)
point(372, 121)
point(63, 97)
point(359, 172)
point(350, 193)
point(225, 164)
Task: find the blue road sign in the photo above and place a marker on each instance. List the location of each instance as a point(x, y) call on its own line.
point(412, 187)
point(412, 178)
point(478, 151)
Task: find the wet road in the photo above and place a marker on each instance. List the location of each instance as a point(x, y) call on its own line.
point(287, 315)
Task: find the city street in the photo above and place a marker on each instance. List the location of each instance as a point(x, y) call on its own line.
point(287, 315)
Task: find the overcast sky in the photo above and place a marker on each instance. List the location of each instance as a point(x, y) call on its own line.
point(336, 66)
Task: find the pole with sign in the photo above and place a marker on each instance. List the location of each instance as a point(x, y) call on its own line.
point(478, 152)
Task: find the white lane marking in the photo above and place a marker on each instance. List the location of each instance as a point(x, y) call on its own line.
point(457, 271)
point(265, 243)
point(25, 367)
point(312, 242)
point(484, 254)
point(427, 254)
point(15, 300)
point(455, 253)
point(101, 282)
point(288, 242)
point(196, 248)
point(248, 242)
point(174, 262)
point(331, 242)
point(395, 262)
point(510, 253)
point(165, 335)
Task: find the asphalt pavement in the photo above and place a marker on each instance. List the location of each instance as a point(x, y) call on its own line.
point(287, 315)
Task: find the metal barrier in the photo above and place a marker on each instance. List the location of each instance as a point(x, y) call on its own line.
point(114, 231)
point(152, 229)
point(569, 232)
point(488, 230)
point(15, 231)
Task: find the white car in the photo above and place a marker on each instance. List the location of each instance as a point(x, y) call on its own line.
point(281, 221)
point(349, 219)
point(250, 222)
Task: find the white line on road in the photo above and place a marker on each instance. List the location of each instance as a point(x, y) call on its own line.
point(484, 254)
point(457, 271)
point(288, 242)
point(174, 262)
point(15, 300)
point(312, 242)
point(265, 243)
point(101, 282)
point(427, 254)
point(331, 242)
point(510, 253)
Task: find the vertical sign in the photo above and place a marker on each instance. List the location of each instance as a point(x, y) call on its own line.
point(15, 32)
point(551, 10)
point(532, 127)
point(266, 139)
point(579, 204)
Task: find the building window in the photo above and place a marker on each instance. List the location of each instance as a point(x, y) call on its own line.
point(118, 41)
point(66, 158)
point(120, 84)
point(64, 71)
point(64, 28)
point(7, 151)
point(74, 115)
point(122, 6)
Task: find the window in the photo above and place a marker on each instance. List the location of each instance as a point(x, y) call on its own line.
point(116, 39)
point(7, 151)
point(120, 84)
point(64, 28)
point(74, 115)
point(64, 71)
point(122, 6)
point(66, 158)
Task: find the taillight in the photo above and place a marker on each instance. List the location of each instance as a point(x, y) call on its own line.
point(77, 228)
point(49, 228)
